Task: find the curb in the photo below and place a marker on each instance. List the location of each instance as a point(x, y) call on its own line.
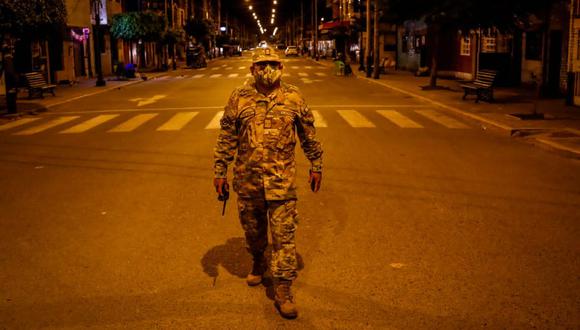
point(511, 131)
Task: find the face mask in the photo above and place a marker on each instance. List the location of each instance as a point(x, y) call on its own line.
point(267, 75)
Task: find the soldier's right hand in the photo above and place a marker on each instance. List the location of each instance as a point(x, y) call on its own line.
point(221, 185)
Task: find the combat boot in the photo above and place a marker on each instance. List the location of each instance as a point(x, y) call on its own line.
point(256, 276)
point(284, 300)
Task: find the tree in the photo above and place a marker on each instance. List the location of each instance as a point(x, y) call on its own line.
point(200, 29)
point(138, 26)
point(29, 20)
point(464, 14)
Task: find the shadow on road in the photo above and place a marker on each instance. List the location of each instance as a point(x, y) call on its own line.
point(234, 257)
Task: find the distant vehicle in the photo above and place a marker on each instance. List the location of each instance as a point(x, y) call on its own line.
point(237, 50)
point(291, 51)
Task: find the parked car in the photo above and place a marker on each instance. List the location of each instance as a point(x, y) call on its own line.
point(291, 51)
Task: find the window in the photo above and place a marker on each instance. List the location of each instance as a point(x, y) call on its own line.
point(465, 48)
point(488, 45)
point(533, 46)
point(577, 8)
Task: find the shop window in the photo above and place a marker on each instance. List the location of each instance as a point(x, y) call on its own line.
point(533, 46)
point(465, 46)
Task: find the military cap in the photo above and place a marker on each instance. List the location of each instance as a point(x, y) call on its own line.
point(265, 55)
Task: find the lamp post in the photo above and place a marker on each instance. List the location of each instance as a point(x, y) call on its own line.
point(97, 40)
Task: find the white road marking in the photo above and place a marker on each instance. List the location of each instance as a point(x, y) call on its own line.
point(318, 120)
point(88, 124)
point(17, 123)
point(248, 75)
point(308, 67)
point(229, 68)
point(286, 75)
point(242, 68)
point(201, 69)
point(306, 80)
point(215, 69)
point(303, 74)
point(197, 76)
point(398, 119)
point(215, 121)
point(178, 121)
point(320, 74)
point(224, 65)
point(232, 75)
point(133, 123)
point(215, 75)
point(162, 78)
point(295, 67)
point(355, 119)
point(143, 101)
point(441, 119)
point(45, 126)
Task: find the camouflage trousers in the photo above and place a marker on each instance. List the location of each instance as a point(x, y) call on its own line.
point(256, 215)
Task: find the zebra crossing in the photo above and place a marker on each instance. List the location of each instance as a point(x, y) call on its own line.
point(224, 71)
point(125, 123)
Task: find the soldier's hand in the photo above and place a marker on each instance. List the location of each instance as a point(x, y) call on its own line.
point(221, 185)
point(315, 180)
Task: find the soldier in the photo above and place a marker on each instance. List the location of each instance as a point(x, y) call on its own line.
point(260, 124)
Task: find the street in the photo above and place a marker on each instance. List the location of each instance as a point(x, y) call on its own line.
point(424, 219)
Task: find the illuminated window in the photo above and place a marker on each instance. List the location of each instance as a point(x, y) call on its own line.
point(465, 46)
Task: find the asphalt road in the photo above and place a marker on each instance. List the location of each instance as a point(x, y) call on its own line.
point(108, 218)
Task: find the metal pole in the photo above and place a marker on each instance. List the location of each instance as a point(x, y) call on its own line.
point(97, 40)
point(376, 49)
point(316, 29)
point(368, 40)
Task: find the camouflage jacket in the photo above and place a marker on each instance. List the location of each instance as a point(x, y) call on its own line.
point(262, 130)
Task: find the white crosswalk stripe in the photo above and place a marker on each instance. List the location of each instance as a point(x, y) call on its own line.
point(355, 119)
point(308, 67)
point(214, 69)
point(88, 124)
point(17, 123)
point(286, 75)
point(215, 75)
point(178, 121)
point(242, 68)
point(47, 125)
point(398, 119)
point(215, 121)
point(441, 119)
point(248, 75)
point(294, 67)
point(320, 74)
point(197, 76)
point(318, 119)
point(303, 74)
point(133, 123)
point(232, 75)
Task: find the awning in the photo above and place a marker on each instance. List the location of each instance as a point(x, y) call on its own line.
point(333, 25)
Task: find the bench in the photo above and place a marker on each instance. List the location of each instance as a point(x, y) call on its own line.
point(482, 87)
point(37, 85)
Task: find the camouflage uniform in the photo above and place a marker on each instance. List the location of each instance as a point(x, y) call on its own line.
point(262, 130)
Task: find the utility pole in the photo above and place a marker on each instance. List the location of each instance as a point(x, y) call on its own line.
point(97, 40)
point(368, 40)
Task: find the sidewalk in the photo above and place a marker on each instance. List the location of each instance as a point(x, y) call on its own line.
point(559, 130)
point(67, 93)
